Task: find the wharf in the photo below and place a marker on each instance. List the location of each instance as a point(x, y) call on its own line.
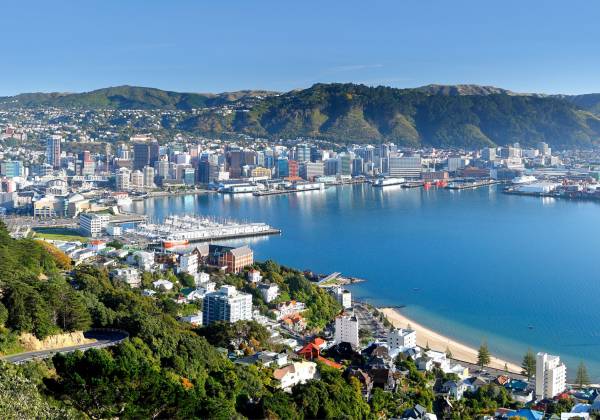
point(412, 184)
point(470, 185)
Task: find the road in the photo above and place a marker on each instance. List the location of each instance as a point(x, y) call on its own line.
point(367, 320)
point(104, 338)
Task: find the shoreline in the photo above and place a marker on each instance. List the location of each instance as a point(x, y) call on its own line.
point(440, 342)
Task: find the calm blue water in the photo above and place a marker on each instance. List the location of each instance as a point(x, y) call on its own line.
point(486, 265)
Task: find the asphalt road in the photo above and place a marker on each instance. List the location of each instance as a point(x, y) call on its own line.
point(103, 339)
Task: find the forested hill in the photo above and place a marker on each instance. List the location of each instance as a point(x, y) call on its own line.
point(128, 97)
point(411, 117)
point(433, 115)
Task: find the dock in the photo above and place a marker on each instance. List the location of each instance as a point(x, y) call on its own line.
point(470, 185)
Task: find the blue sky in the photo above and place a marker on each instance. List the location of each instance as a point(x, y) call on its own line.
point(212, 46)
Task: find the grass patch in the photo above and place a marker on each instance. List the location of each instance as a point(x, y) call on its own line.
point(59, 234)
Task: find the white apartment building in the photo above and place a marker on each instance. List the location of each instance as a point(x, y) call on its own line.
point(550, 376)
point(91, 224)
point(123, 179)
point(269, 292)
point(404, 166)
point(137, 179)
point(401, 339)
point(226, 304)
point(188, 263)
point(346, 330)
point(343, 296)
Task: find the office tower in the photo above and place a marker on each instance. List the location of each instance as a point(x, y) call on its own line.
point(137, 179)
point(123, 179)
point(53, 151)
point(144, 154)
point(282, 167)
point(148, 176)
point(345, 160)
point(303, 153)
point(489, 154)
point(11, 168)
point(207, 171)
point(312, 170)
point(404, 166)
point(332, 167)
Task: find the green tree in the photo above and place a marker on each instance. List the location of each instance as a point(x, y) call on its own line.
point(483, 355)
point(528, 364)
point(448, 352)
point(582, 378)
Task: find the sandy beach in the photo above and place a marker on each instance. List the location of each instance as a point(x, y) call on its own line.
point(440, 342)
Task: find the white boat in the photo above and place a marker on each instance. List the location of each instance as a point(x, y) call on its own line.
point(524, 179)
point(384, 182)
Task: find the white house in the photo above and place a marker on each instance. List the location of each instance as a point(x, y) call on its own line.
point(343, 296)
point(269, 292)
point(254, 276)
point(455, 389)
point(131, 276)
point(295, 373)
point(188, 263)
point(346, 330)
point(162, 284)
point(144, 260)
point(202, 278)
point(192, 319)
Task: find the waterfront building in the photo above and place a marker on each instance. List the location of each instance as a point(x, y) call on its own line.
point(400, 339)
point(162, 169)
point(550, 376)
point(226, 304)
point(260, 172)
point(282, 168)
point(92, 224)
point(457, 162)
point(189, 176)
point(310, 170)
point(346, 330)
point(404, 166)
point(345, 166)
point(137, 179)
point(293, 169)
point(208, 171)
point(123, 179)
point(148, 176)
point(53, 151)
point(331, 167)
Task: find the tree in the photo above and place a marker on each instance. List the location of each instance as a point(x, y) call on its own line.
point(448, 352)
point(582, 378)
point(528, 364)
point(483, 355)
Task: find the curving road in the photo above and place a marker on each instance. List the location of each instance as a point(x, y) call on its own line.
point(104, 338)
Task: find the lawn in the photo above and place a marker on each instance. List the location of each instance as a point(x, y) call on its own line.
point(60, 234)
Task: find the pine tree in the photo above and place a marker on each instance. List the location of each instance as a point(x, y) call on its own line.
point(427, 348)
point(528, 364)
point(483, 355)
point(448, 352)
point(582, 377)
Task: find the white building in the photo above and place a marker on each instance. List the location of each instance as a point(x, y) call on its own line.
point(404, 166)
point(192, 319)
point(91, 224)
point(188, 263)
point(137, 179)
point(346, 330)
point(294, 374)
point(202, 278)
point(400, 339)
point(123, 179)
point(162, 284)
point(227, 304)
point(131, 276)
point(144, 259)
point(254, 276)
point(269, 292)
point(550, 376)
point(343, 296)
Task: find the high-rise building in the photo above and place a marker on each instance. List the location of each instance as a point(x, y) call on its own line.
point(282, 167)
point(400, 339)
point(226, 304)
point(148, 176)
point(489, 154)
point(189, 176)
point(235, 161)
point(311, 170)
point(137, 179)
point(145, 154)
point(404, 166)
point(346, 330)
point(303, 153)
point(345, 160)
point(357, 166)
point(162, 169)
point(544, 149)
point(53, 151)
point(123, 179)
point(550, 376)
point(332, 167)
point(207, 171)
point(293, 169)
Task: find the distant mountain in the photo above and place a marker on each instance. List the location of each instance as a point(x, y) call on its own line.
point(129, 97)
point(411, 117)
point(462, 90)
point(590, 101)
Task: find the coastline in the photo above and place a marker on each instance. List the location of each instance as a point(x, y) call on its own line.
point(440, 342)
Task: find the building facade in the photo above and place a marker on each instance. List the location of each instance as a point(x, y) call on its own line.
point(226, 304)
point(550, 376)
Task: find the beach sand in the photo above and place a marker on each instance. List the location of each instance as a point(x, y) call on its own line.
point(441, 343)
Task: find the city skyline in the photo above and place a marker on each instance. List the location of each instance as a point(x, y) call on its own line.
point(216, 48)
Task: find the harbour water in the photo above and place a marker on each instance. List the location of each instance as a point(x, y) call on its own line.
point(518, 272)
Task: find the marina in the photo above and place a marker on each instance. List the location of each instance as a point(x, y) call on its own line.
point(182, 230)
